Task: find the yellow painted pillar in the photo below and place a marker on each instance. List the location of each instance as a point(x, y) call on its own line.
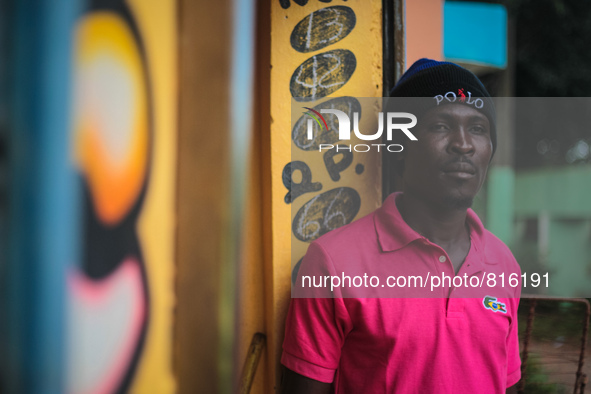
point(320, 51)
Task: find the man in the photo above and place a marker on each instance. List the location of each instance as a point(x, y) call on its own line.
point(455, 342)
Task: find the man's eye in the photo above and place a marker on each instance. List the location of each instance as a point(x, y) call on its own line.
point(439, 127)
point(479, 129)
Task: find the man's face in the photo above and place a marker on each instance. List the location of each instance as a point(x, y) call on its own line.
point(448, 163)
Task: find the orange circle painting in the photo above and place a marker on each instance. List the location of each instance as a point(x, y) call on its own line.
point(110, 114)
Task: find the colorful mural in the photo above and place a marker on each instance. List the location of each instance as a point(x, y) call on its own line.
point(110, 309)
point(113, 135)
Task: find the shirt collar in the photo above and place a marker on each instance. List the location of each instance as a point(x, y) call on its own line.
point(394, 233)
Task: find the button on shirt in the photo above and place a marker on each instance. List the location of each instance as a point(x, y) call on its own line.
point(367, 344)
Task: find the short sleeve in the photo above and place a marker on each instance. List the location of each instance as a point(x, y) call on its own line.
point(513, 359)
point(316, 328)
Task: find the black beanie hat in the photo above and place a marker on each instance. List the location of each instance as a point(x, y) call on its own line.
point(446, 83)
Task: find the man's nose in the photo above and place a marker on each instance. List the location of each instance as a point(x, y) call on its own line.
point(461, 142)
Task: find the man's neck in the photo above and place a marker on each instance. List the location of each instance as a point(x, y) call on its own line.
point(443, 226)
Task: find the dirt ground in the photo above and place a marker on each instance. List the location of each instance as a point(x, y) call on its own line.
point(559, 362)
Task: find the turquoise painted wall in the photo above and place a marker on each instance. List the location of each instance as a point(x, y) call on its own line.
point(558, 203)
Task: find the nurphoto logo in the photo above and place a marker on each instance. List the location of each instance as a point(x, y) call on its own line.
point(345, 129)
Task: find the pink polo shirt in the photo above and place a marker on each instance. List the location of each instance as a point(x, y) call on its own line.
point(372, 344)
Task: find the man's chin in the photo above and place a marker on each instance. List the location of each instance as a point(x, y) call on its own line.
point(458, 202)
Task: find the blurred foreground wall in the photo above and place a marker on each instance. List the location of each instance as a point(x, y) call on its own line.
point(92, 129)
point(124, 134)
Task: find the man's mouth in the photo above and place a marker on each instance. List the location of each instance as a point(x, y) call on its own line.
point(462, 170)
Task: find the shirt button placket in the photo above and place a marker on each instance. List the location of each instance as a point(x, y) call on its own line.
point(443, 260)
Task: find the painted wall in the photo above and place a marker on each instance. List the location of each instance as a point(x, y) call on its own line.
point(424, 30)
point(319, 51)
point(486, 43)
point(556, 203)
point(120, 300)
point(43, 194)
